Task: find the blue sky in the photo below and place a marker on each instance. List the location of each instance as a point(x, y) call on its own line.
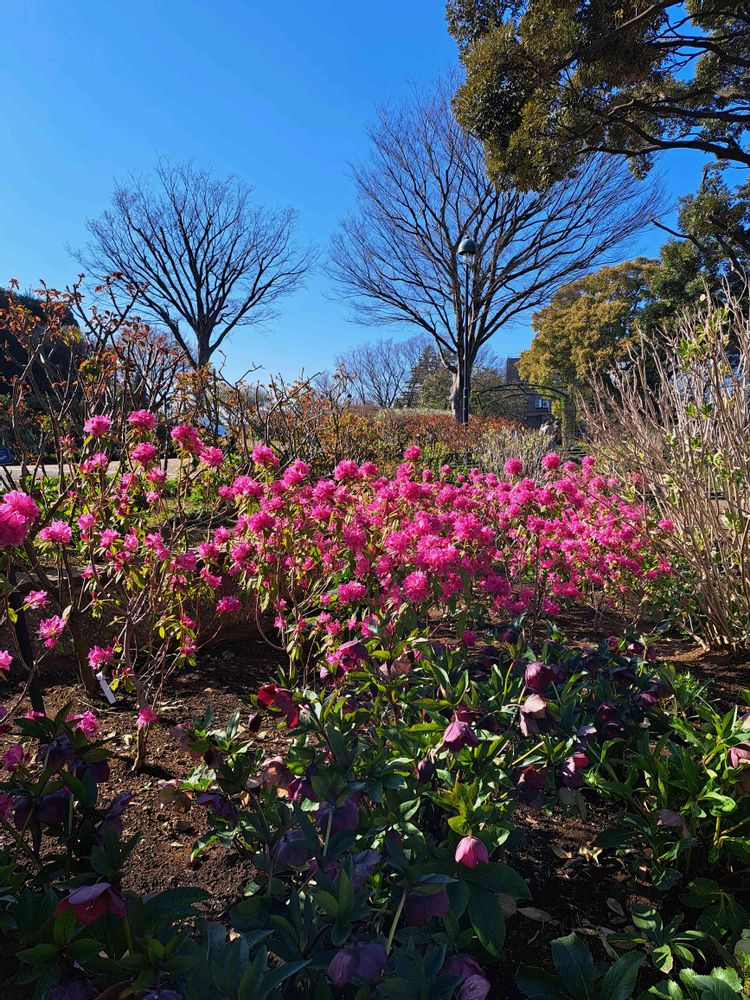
point(279, 94)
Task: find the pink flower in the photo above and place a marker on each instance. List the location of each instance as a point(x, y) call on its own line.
point(187, 437)
point(99, 655)
point(142, 420)
point(551, 461)
point(347, 470)
point(5, 659)
point(471, 852)
point(17, 512)
point(213, 457)
point(98, 425)
point(56, 531)
point(21, 504)
point(416, 586)
point(143, 453)
point(412, 453)
point(50, 629)
point(146, 717)
point(36, 599)
point(87, 723)
point(513, 467)
point(666, 525)
point(263, 455)
point(90, 902)
point(228, 604)
point(349, 593)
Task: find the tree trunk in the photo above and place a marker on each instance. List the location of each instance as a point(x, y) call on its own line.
point(456, 397)
point(82, 654)
point(568, 428)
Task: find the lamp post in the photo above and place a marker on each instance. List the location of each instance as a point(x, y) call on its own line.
point(467, 251)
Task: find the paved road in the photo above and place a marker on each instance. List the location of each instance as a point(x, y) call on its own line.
point(14, 471)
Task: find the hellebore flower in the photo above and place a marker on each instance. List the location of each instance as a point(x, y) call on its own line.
point(343, 817)
point(471, 852)
point(425, 770)
point(608, 722)
point(363, 865)
point(537, 676)
point(424, 903)
point(672, 820)
point(739, 757)
point(279, 701)
point(170, 794)
point(363, 961)
point(571, 768)
point(475, 985)
point(53, 808)
point(459, 733)
point(218, 805)
point(273, 771)
point(74, 988)
point(91, 902)
point(57, 753)
point(291, 850)
point(533, 715)
point(113, 817)
point(531, 781)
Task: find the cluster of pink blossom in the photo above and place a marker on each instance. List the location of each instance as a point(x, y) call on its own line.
point(335, 558)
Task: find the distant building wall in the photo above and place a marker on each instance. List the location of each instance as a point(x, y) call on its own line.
point(537, 407)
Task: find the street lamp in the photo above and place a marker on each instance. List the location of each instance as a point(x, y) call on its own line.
point(467, 251)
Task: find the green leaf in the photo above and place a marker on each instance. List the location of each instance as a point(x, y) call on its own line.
point(576, 966)
point(662, 958)
point(536, 984)
point(487, 919)
point(619, 981)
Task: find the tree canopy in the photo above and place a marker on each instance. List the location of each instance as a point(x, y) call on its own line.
point(588, 324)
point(550, 80)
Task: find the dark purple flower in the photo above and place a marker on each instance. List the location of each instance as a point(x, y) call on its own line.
point(22, 809)
point(301, 788)
point(363, 961)
point(91, 902)
point(538, 676)
point(424, 903)
point(113, 817)
point(99, 771)
point(53, 808)
point(363, 865)
point(672, 820)
point(459, 733)
point(608, 722)
point(425, 770)
point(572, 767)
point(291, 850)
point(219, 805)
point(531, 781)
point(475, 985)
point(74, 987)
point(343, 817)
point(57, 753)
point(280, 701)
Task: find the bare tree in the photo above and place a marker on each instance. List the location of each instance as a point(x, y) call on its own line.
point(425, 188)
point(381, 370)
point(198, 255)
